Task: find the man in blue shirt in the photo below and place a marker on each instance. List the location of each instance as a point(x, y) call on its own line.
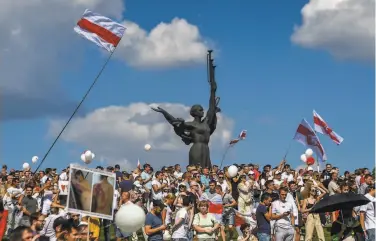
point(153, 222)
point(263, 217)
point(205, 179)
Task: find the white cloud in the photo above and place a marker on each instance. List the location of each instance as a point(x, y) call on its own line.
point(38, 43)
point(119, 133)
point(168, 44)
point(345, 28)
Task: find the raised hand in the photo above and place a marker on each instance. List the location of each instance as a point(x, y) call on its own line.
point(158, 109)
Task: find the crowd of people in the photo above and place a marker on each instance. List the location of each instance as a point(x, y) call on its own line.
point(198, 203)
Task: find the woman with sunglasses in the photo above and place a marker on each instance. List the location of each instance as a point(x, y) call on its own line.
point(313, 219)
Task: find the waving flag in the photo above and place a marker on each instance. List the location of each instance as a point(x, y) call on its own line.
point(307, 136)
point(322, 127)
point(242, 136)
point(100, 30)
point(215, 205)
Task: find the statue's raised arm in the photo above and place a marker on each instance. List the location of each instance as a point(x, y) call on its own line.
point(211, 115)
point(177, 123)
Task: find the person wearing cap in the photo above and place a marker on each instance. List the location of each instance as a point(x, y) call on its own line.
point(64, 176)
point(154, 226)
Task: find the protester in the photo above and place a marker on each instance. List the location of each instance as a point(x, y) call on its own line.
point(187, 203)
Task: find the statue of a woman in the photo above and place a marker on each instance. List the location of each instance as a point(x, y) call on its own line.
point(199, 130)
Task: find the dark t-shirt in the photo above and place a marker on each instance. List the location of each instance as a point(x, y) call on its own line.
point(154, 222)
point(30, 204)
point(126, 185)
point(262, 223)
point(234, 187)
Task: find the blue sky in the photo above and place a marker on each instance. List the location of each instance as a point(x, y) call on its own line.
point(267, 84)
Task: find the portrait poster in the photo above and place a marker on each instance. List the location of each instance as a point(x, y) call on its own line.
point(91, 192)
point(63, 187)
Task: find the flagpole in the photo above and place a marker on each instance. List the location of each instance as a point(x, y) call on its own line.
point(224, 156)
point(75, 111)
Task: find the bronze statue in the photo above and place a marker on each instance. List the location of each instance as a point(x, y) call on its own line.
point(200, 129)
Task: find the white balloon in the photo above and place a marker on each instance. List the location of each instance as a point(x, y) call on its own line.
point(130, 218)
point(25, 165)
point(88, 156)
point(34, 159)
point(147, 147)
point(303, 157)
point(232, 171)
point(309, 152)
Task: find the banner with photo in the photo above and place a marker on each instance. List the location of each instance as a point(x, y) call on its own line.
point(63, 187)
point(91, 192)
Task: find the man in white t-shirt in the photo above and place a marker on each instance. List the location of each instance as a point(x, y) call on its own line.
point(333, 186)
point(157, 186)
point(181, 227)
point(64, 176)
point(367, 214)
point(283, 214)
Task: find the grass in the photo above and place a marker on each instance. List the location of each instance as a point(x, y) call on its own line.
point(141, 238)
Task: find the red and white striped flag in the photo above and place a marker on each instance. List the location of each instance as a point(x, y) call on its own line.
point(322, 127)
point(242, 136)
point(100, 30)
point(307, 136)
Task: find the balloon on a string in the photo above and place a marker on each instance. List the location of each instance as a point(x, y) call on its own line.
point(232, 171)
point(130, 218)
point(25, 165)
point(310, 161)
point(147, 147)
point(309, 152)
point(303, 158)
point(34, 159)
point(87, 157)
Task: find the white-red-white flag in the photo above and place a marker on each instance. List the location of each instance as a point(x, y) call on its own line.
point(243, 134)
point(307, 136)
point(100, 30)
point(322, 127)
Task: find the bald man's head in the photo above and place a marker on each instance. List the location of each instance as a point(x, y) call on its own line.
point(125, 196)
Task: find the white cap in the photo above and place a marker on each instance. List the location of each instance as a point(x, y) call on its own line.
point(251, 172)
point(309, 168)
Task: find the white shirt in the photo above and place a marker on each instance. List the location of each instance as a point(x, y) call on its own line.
point(178, 174)
point(116, 198)
point(289, 177)
point(43, 179)
point(156, 195)
point(278, 208)
point(369, 212)
point(291, 200)
point(224, 186)
point(181, 231)
point(63, 176)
